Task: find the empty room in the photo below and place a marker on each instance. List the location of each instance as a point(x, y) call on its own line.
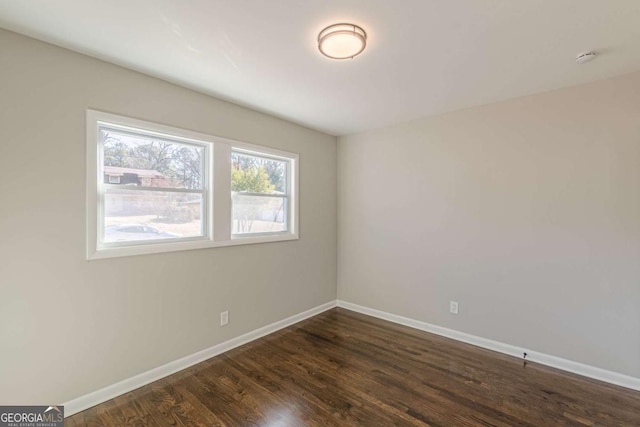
point(319, 213)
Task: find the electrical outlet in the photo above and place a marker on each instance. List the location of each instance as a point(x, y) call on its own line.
point(453, 307)
point(224, 317)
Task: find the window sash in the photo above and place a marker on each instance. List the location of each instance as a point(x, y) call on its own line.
point(204, 227)
point(288, 213)
point(157, 136)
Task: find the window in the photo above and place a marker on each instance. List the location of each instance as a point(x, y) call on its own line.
point(259, 194)
point(152, 188)
point(159, 183)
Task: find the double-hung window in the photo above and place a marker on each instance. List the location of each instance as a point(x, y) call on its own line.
point(153, 188)
point(260, 193)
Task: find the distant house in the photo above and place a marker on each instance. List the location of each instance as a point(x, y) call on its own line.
point(123, 202)
point(130, 176)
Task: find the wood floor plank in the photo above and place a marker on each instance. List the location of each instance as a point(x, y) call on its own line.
point(342, 368)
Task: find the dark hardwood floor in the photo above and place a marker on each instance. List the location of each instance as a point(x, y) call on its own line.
point(341, 368)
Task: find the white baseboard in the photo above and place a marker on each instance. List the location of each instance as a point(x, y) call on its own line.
point(94, 398)
point(532, 356)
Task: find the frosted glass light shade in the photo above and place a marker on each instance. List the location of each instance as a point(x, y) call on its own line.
point(342, 41)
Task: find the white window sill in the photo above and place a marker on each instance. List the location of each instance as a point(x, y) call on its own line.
point(156, 248)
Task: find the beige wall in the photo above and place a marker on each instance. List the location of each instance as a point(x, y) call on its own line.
point(69, 326)
point(527, 212)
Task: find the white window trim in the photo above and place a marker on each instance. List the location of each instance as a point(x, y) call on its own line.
point(217, 183)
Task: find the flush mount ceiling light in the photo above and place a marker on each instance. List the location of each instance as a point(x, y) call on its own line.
point(342, 41)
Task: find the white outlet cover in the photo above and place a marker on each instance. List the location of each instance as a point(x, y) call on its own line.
point(453, 307)
point(224, 318)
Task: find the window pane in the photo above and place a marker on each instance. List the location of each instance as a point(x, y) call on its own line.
point(258, 214)
point(151, 215)
point(142, 160)
point(255, 174)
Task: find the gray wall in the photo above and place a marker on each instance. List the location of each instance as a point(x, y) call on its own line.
point(527, 212)
point(69, 326)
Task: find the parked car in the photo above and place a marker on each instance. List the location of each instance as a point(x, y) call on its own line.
point(128, 232)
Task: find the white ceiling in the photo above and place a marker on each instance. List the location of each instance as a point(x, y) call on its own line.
point(423, 57)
